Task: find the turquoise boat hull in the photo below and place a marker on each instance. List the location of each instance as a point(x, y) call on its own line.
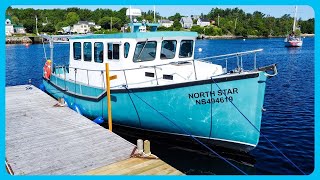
point(205, 108)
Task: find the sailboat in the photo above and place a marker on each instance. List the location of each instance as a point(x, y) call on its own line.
point(293, 40)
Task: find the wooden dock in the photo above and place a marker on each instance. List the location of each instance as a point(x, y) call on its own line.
point(45, 140)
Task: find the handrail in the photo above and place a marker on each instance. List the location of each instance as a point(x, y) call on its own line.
point(200, 59)
point(234, 54)
point(225, 57)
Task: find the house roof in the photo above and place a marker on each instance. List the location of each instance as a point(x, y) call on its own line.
point(186, 20)
point(204, 20)
point(165, 21)
point(17, 26)
point(82, 22)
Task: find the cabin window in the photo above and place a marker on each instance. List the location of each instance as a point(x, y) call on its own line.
point(113, 51)
point(145, 51)
point(87, 51)
point(77, 51)
point(186, 48)
point(168, 49)
point(126, 49)
point(98, 52)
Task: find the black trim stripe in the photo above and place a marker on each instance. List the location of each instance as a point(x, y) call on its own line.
point(156, 88)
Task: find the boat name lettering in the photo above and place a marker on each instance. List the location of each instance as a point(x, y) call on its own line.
point(210, 97)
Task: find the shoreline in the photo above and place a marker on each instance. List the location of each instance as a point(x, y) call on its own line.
point(36, 40)
point(201, 36)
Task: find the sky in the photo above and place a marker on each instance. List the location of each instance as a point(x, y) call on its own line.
point(304, 12)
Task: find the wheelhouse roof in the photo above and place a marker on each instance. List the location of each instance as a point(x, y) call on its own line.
point(138, 35)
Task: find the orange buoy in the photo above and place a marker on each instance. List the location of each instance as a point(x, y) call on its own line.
point(47, 69)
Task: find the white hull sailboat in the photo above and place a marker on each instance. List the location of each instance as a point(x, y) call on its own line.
point(293, 40)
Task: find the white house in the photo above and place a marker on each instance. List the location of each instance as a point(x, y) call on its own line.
point(18, 29)
point(203, 22)
point(9, 26)
point(83, 27)
point(186, 22)
point(166, 23)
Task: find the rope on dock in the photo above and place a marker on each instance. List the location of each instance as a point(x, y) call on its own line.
point(8, 167)
point(186, 132)
point(288, 159)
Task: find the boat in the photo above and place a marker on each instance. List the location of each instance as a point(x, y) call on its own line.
point(160, 86)
point(61, 38)
point(293, 40)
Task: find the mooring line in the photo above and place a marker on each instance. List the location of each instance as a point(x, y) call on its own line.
point(292, 163)
point(198, 141)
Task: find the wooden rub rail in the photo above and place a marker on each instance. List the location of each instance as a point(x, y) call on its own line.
point(44, 139)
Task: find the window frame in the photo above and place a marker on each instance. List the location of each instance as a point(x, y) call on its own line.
point(192, 48)
point(156, 45)
point(113, 52)
point(84, 52)
point(175, 49)
point(112, 44)
point(94, 52)
point(74, 52)
point(126, 54)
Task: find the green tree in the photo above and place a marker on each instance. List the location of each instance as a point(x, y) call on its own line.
point(198, 29)
point(60, 25)
point(48, 28)
point(105, 22)
point(72, 18)
point(176, 25)
point(175, 17)
point(15, 20)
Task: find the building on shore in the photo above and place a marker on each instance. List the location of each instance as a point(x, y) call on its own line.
point(186, 22)
point(12, 29)
point(19, 29)
point(165, 23)
point(203, 22)
point(82, 27)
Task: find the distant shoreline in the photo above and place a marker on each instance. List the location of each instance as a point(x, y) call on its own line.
point(248, 37)
point(28, 40)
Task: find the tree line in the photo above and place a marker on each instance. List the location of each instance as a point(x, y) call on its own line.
point(227, 21)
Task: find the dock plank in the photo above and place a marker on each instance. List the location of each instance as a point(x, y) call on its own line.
point(136, 166)
point(42, 139)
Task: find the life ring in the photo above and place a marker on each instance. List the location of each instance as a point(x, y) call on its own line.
point(47, 69)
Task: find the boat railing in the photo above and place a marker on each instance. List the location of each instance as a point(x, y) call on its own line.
point(61, 70)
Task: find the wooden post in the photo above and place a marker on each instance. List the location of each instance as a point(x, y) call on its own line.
point(108, 79)
point(109, 97)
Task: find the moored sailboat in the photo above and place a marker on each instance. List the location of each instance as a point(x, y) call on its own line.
point(293, 39)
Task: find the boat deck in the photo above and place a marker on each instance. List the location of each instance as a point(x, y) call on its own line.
point(42, 139)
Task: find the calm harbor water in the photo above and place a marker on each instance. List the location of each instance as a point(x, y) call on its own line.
point(289, 102)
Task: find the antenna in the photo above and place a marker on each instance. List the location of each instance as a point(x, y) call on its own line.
point(130, 14)
point(37, 25)
point(154, 13)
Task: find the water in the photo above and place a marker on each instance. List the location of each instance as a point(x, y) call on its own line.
point(289, 101)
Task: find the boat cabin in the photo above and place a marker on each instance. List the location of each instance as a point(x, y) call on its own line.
point(138, 59)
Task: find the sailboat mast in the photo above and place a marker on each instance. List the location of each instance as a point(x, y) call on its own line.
point(295, 19)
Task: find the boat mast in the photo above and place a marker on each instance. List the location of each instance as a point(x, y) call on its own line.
point(154, 13)
point(295, 19)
